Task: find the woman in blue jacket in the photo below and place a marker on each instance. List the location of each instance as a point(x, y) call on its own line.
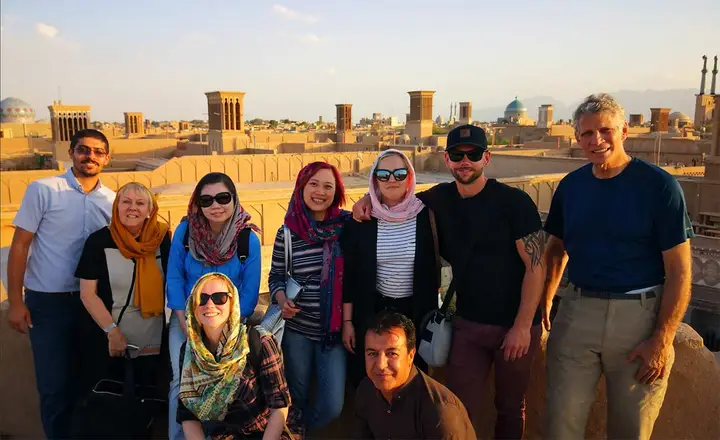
point(214, 237)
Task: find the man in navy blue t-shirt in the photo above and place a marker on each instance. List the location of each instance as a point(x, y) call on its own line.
point(621, 225)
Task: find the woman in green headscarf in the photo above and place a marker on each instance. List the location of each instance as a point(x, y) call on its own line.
point(221, 391)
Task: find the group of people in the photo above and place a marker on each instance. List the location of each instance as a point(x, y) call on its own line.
point(104, 271)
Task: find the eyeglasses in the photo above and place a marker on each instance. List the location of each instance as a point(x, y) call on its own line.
point(86, 151)
point(206, 200)
point(399, 174)
point(474, 155)
point(219, 298)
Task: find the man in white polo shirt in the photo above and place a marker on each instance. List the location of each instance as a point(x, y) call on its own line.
point(55, 218)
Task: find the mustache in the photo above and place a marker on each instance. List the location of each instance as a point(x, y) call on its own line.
point(90, 161)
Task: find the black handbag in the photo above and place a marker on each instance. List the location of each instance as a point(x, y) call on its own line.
point(119, 409)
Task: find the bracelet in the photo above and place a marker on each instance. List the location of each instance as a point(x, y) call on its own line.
point(347, 320)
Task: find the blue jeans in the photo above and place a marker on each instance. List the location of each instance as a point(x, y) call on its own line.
point(176, 338)
point(302, 358)
point(65, 344)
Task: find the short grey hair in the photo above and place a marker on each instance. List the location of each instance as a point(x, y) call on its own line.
point(600, 103)
point(140, 189)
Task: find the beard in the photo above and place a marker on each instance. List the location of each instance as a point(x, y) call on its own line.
point(88, 173)
point(466, 180)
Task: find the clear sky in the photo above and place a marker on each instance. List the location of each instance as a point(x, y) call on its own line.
point(297, 59)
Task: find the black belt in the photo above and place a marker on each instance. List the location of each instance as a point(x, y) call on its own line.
point(613, 295)
point(74, 293)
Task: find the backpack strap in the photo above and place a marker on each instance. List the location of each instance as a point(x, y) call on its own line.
point(255, 344)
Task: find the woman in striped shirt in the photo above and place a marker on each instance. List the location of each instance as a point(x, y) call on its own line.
point(400, 272)
point(311, 342)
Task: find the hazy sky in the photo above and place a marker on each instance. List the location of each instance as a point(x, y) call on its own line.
point(297, 59)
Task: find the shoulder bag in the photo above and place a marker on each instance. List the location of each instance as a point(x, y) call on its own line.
point(435, 330)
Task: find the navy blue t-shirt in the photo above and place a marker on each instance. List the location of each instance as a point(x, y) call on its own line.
point(615, 230)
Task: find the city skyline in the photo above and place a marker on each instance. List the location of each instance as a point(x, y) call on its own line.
point(297, 59)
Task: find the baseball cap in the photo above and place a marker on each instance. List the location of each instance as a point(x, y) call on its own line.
point(466, 135)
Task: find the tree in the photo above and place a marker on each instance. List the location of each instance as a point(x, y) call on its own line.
point(256, 121)
point(273, 124)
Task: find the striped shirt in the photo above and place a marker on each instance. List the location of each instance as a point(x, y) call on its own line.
point(307, 267)
point(396, 257)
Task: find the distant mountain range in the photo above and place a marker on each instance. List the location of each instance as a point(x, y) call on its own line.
point(634, 101)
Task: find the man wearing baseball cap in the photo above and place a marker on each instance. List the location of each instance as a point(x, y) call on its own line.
point(491, 234)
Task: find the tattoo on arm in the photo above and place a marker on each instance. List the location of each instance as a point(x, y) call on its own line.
point(534, 246)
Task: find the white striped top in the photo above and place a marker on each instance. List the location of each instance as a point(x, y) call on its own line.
point(396, 257)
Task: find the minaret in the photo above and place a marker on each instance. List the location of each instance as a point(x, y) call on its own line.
point(704, 72)
point(714, 72)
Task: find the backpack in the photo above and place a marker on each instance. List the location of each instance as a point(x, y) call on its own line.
point(243, 242)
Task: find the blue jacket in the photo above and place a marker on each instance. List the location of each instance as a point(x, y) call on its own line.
point(184, 270)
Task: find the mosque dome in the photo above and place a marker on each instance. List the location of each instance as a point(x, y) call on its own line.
point(516, 107)
point(16, 111)
point(680, 116)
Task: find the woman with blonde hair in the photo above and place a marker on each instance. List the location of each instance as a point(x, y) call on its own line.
point(232, 379)
point(122, 281)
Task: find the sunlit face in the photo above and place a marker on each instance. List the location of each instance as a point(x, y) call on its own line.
point(133, 209)
point(467, 171)
point(211, 315)
point(89, 156)
point(319, 192)
point(392, 191)
point(217, 213)
point(601, 136)
point(387, 359)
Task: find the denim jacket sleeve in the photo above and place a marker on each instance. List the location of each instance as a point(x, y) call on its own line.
point(175, 277)
point(250, 276)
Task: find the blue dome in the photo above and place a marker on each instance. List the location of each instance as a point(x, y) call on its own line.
point(16, 111)
point(516, 106)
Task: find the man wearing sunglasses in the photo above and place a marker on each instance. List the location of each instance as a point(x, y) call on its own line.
point(491, 234)
point(55, 218)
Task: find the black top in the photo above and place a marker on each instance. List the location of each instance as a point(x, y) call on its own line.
point(358, 242)
point(102, 261)
point(422, 409)
point(489, 291)
point(615, 230)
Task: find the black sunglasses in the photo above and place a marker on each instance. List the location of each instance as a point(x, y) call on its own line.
point(474, 155)
point(219, 298)
point(399, 174)
point(206, 201)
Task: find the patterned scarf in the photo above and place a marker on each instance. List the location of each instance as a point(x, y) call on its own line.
point(209, 382)
point(408, 208)
point(149, 286)
point(327, 232)
point(203, 244)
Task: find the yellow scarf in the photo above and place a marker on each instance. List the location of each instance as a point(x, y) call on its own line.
point(149, 296)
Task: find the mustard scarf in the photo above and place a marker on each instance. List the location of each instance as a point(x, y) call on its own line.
point(209, 381)
point(148, 288)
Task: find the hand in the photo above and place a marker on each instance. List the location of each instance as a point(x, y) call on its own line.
point(516, 343)
point(117, 343)
point(19, 317)
point(654, 355)
point(289, 309)
point(348, 336)
point(361, 209)
point(546, 308)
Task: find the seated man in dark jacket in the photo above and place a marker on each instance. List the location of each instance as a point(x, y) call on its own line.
point(397, 400)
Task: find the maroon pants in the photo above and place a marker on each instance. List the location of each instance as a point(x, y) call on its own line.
point(475, 347)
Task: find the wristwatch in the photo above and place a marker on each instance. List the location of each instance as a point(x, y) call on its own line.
point(109, 328)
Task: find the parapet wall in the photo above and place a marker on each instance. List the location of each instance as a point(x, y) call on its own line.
point(242, 169)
